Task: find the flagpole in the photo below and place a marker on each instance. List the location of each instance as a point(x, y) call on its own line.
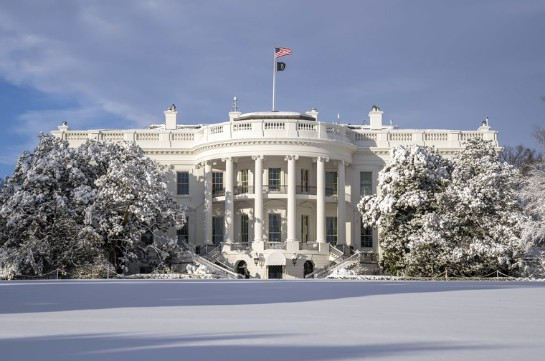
point(274, 80)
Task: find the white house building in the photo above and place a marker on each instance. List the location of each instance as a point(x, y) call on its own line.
point(274, 194)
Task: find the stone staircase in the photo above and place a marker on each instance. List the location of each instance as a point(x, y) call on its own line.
point(337, 261)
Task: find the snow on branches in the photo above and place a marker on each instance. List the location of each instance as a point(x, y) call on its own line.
point(64, 208)
point(435, 214)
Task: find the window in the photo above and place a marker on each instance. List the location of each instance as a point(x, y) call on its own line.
point(275, 227)
point(366, 183)
point(366, 236)
point(244, 221)
point(331, 230)
point(304, 181)
point(304, 228)
point(217, 183)
point(330, 183)
point(147, 238)
point(182, 183)
point(244, 181)
point(217, 230)
point(274, 179)
point(182, 233)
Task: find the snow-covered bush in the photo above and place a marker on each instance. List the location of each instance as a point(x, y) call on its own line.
point(66, 209)
point(406, 208)
point(435, 215)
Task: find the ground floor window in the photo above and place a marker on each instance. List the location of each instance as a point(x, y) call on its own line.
point(331, 230)
point(275, 272)
point(182, 233)
point(275, 227)
point(366, 236)
point(244, 222)
point(217, 230)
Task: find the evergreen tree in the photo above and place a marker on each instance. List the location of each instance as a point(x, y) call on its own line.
point(435, 215)
point(65, 209)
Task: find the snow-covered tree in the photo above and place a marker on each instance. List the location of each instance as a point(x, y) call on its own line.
point(131, 198)
point(40, 214)
point(533, 197)
point(65, 209)
point(484, 213)
point(435, 215)
point(405, 209)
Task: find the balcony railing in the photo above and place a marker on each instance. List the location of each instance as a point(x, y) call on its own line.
point(310, 190)
point(308, 246)
point(275, 245)
point(275, 189)
point(218, 192)
point(243, 190)
point(240, 246)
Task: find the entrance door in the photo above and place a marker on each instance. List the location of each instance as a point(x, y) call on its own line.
point(308, 267)
point(275, 272)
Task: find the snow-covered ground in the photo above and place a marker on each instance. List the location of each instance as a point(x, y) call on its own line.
point(271, 320)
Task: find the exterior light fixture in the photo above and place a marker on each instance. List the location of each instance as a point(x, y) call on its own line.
point(294, 259)
point(256, 259)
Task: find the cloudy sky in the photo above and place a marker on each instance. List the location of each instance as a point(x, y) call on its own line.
point(119, 64)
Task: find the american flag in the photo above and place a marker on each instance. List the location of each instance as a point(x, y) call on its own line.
point(278, 52)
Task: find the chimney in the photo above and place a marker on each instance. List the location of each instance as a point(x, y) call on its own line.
point(375, 117)
point(170, 118)
point(313, 113)
point(64, 126)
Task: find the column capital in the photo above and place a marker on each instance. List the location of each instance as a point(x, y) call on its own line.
point(344, 162)
point(204, 163)
point(255, 157)
point(321, 159)
point(291, 157)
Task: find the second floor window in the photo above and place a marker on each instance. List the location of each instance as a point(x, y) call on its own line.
point(217, 183)
point(182, 183)
point(274, 179)
point(244, 181)
point(366, 183)
point(304, 181)
point(330, 183)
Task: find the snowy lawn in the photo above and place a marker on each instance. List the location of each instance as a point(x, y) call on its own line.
point(271, 320)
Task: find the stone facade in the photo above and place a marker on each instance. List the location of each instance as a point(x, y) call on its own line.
point(275, 193)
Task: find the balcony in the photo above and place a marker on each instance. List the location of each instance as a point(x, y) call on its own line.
point(275, 245)
point(309, 190)
point(279, 189)
point(243, 190)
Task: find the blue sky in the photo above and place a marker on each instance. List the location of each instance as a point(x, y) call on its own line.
point(119, 64)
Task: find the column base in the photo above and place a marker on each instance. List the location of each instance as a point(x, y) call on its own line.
point(292, 246)
point(258, 246)
point(323, 247)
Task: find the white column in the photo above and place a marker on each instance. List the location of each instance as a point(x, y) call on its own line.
point(341, 203)
point(320, 199)
point(258, 206)
point(229, 215)
point(208, 202)
point(292, 208)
